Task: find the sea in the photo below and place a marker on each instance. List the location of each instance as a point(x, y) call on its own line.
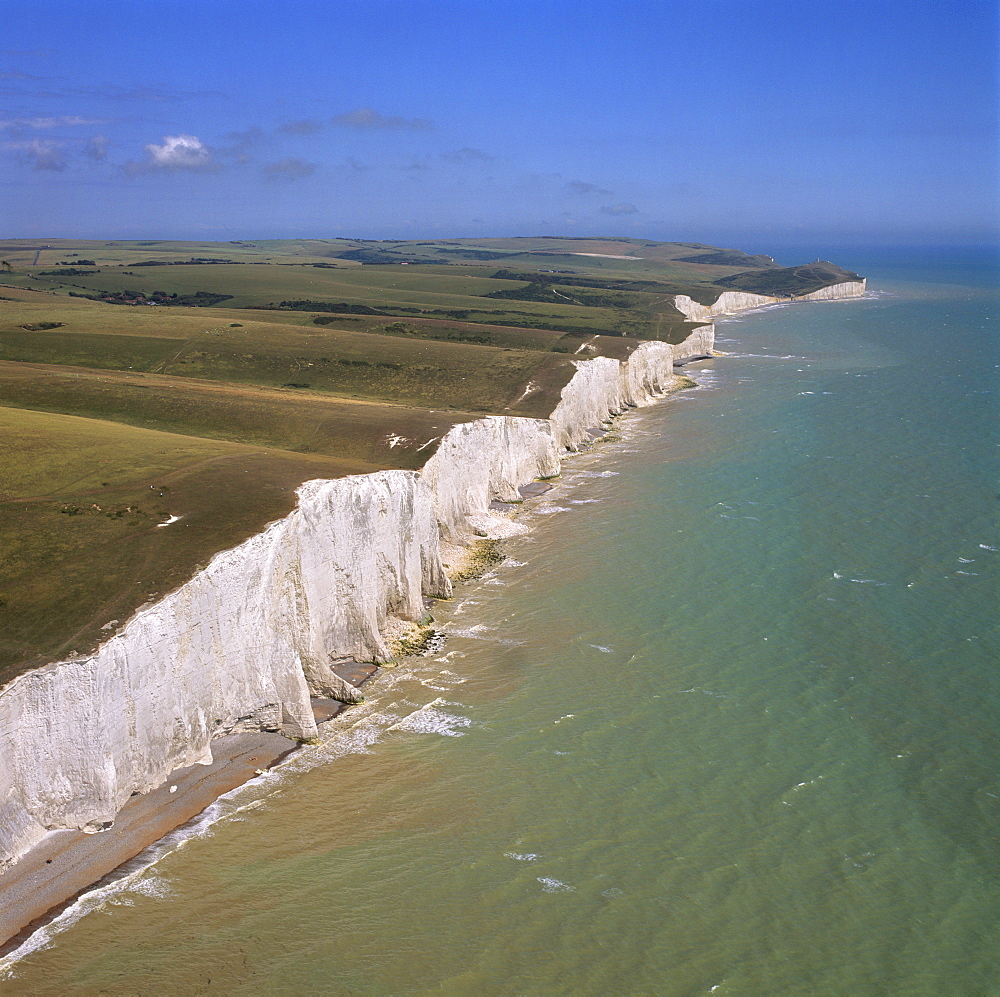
point(725, 721)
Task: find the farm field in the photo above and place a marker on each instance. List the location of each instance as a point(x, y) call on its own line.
point(141, 381)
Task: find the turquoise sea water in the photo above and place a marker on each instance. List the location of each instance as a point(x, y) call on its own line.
point(726, 721)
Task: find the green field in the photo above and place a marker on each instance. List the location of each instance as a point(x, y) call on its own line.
point(143, 380)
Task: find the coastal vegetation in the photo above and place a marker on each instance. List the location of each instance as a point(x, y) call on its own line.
point(484, 554)
point(789, 280)
point(161, 401)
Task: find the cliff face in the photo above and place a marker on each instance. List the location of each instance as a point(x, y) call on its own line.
point(239, 645)
point(848, 289)
point(729, 301)
point(484, 460)
point(603, 387)
point(594, 392)
point(246, 640)
point(739, 301)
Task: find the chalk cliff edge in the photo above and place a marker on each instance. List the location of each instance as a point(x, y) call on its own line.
point(246, 641)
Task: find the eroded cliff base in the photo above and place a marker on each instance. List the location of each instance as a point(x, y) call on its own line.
point(67, 863)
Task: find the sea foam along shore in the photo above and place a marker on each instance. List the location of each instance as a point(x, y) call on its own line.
point(243, 644)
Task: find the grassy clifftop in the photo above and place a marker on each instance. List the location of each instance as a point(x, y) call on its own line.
point(81, 501)
point(161, 401)
point(790, 281)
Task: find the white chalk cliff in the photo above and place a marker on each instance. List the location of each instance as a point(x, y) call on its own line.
point(738, 301)
point(846, 289)
point(239, 646)
point(244, 643)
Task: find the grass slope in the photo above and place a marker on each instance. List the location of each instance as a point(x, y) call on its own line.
point(789, 280)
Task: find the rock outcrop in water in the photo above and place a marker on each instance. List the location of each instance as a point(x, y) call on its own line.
point(246, 641)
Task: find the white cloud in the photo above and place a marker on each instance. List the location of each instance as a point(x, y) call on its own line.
point(37, 124)
point(41, 154)
point(97, 148)
point(179, 152)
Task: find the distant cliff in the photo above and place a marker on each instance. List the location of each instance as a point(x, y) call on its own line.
point(738, 301)
point(789, 282)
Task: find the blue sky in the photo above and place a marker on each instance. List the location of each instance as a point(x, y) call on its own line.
point(755, 123)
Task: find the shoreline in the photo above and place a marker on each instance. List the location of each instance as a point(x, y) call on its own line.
point(67, 865)
point(64, 865)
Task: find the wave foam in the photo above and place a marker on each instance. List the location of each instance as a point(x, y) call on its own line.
point(550, 885)
point(432, 720)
